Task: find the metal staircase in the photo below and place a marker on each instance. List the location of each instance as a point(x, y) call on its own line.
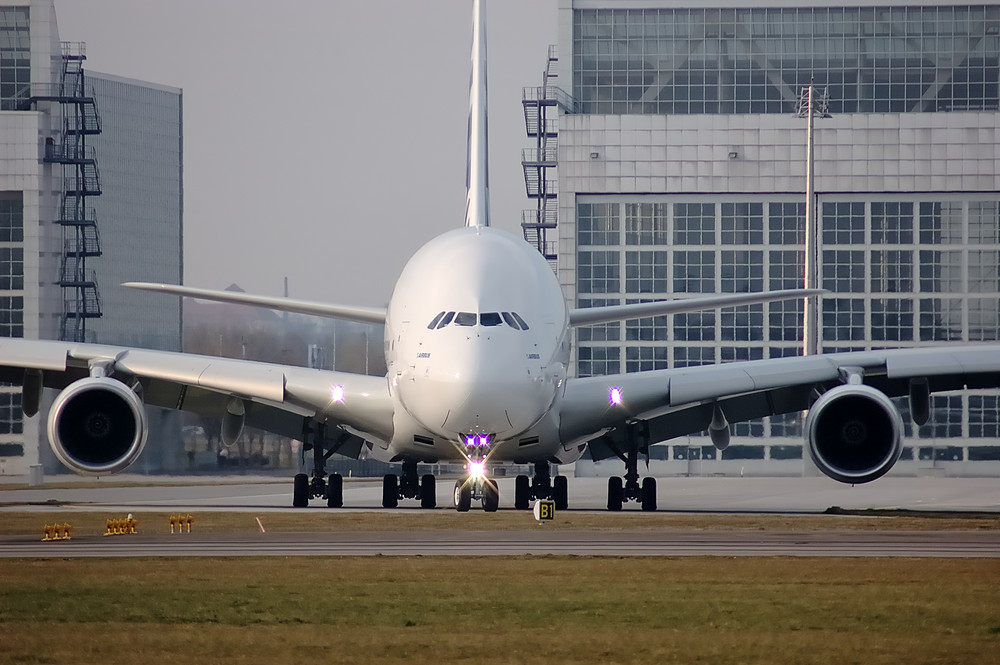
point(81, 180)
point(541, 106)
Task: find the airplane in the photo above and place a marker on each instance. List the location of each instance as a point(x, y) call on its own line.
point(477, 346)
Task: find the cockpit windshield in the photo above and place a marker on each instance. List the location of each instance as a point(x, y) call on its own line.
point(470, 319)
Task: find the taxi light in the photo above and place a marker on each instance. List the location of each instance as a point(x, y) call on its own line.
point(484, 440)
point(477, 469)
point(337, 394)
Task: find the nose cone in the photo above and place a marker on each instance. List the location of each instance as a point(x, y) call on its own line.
point(488, 392)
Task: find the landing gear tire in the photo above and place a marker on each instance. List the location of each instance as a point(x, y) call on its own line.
point(560, 492)
point(300, 491)
point(463, 496)
point(428, 496)
point(649, 494)
point(491, 496)
point(335, 491)
point(390, 491)
point(616, 493)
point(522, 492)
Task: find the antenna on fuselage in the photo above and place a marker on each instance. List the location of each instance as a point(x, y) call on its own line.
point(477, 174)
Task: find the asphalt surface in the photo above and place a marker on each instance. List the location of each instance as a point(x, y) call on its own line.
point(708, 495)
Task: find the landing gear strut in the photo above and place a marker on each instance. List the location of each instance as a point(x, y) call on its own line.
point(470, 488)
point(306, 488)
point(409, 485)
point(631, 490)
point(541, 486)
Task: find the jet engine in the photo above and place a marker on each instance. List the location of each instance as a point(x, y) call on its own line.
point(854, 433)
point(97, 426)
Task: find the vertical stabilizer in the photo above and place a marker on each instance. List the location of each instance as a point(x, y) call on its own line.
point(477, 177)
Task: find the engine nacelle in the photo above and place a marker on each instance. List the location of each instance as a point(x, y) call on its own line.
point(97, 426)
point(854, 433)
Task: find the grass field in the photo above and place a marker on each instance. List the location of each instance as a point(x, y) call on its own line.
point(500, 610)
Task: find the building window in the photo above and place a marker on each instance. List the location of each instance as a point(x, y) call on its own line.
point(599, 360)
point(694, 327)
point(742, 271)
point(690, 356)
point(946, 418)
point(984, 416)
point(742, 324)
point(646, 272)
point(785, 321)
point(11, 316)
point(694, 224)
point(892, 320)
point(984, 271)
point(598, 224)
point(649, 329)
point(11, 216)
point(645, 358)
point(941, 271)
point(892, 223)
point(844, 223)
point(694, 272)
point(646, 224)
point(11, 269)
point(786, 223)
point(843, 319)
point(15, 57)
point(941, 223)
point(984, 319)
point(984, 222)
point(844, 271)
point(599, 272)
point(940, 320)
point(892, 271)
point(742, 223)
point(11, 416)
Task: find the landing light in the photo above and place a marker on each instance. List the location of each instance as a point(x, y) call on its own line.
point(337, 394)
point(484, 440)
point(477, 470)
point(615, 396)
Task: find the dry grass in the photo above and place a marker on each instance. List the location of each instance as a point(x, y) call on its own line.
point(500, 610)
point(94, 523)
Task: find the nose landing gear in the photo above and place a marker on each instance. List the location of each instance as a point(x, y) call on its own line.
point(480, 488)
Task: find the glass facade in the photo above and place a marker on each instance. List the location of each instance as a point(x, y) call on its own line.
point(756, 60)
point(15, 57)
point(886, 287)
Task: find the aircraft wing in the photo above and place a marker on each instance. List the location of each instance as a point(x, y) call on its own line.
point(680, 402)
point(374, 315)
point(587, 316)
point(278, 398)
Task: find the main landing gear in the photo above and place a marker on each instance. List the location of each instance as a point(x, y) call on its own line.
point(408, 485)
point(631, 490)
point(306, 487)
point(541, 486)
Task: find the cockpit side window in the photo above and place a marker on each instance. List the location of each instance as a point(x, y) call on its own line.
point(433, 324)
point(490, 319)
point(446, 320)
point(465, 319)
point(520, 321)
point(509, 320)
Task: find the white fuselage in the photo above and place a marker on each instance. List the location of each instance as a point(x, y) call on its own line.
point(493, 364)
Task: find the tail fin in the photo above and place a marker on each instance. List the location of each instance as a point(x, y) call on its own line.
point(477, 176)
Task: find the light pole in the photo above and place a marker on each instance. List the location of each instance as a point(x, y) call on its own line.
point(812, 103)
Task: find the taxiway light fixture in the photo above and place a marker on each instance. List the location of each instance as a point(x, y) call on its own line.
point(337, 394)
point(615, 396)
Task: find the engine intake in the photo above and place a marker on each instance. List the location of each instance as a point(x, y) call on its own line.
point(854, 433)
point(97, 426)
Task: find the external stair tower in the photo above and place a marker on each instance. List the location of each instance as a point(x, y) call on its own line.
point(541, 106)
point(81, 181)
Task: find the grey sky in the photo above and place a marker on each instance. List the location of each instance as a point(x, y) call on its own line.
point(324, 140)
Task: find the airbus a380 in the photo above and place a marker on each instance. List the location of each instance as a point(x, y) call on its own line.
point(477, 342)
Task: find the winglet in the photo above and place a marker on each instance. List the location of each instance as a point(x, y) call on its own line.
point(477, 175)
